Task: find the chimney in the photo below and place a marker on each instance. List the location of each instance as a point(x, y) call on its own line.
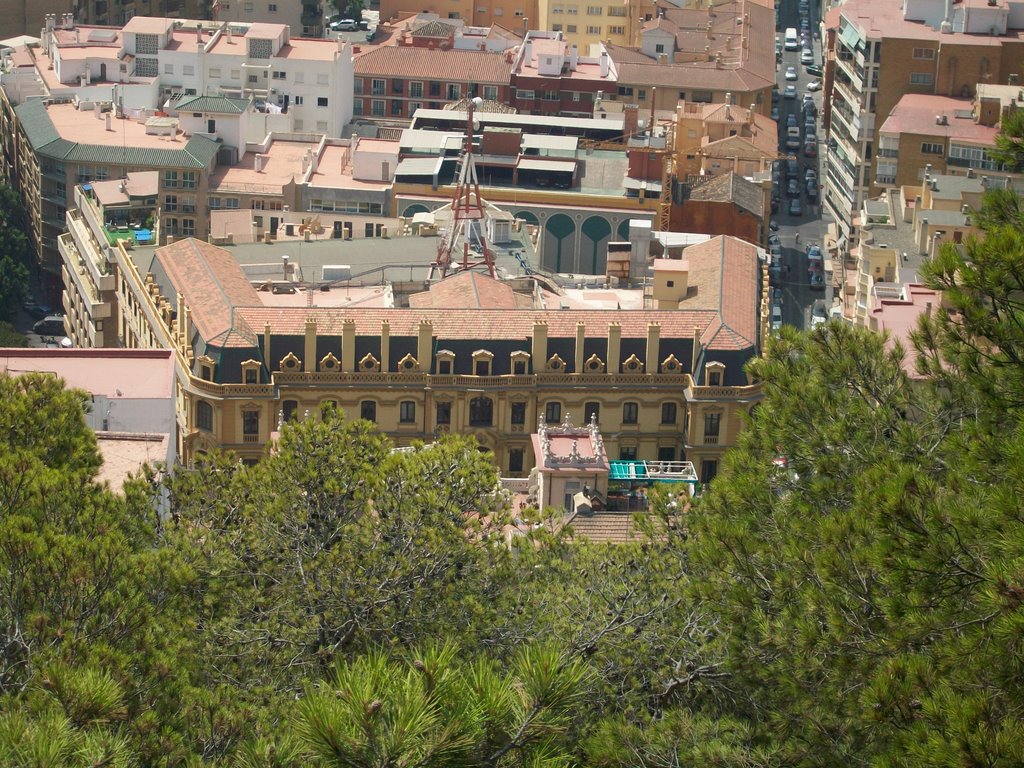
point(718, 60)
point(229, 33)
point(539, 348)
point(663, 58)
point(309, 353)
point(614, 347)
point(314, 160)
point(97, 110)
point(581, 337)
point(574, 58)
point(653, 344)
point(728, 98)
point(385, 346)
point(604, 64)
point(424, 343)
point(107, 117)
point(528, 52)
point(630, 115)
point(970, 173)
point(199, 34)
point(285, 266)
point(259, 163)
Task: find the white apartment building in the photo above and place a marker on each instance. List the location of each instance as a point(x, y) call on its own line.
point(152, 62)
point(310, 80)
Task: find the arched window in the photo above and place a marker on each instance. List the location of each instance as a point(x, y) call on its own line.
point(204, 416)
point(481, 412)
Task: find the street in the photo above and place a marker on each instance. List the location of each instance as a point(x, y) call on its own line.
point(798, 296)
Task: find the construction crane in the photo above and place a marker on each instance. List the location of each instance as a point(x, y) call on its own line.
point(468, 215)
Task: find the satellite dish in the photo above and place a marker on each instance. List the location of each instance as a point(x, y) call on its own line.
point(641, 123)
point(477, 101)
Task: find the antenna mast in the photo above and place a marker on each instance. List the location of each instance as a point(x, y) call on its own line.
point(468, 214)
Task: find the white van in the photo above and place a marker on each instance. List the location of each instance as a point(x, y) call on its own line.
point(792, 41)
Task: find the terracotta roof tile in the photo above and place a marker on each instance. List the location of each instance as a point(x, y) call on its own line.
point(451, 65)
point(467, 290)
point(210, 280)
point(731, 188)
point(736, 263)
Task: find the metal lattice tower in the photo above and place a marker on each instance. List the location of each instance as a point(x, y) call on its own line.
point(468, 216)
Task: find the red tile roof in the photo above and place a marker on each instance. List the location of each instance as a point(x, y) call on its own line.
point(210, 280)
point(452, 65)
point(479, 323)
point(469, 290)
point(733, 264)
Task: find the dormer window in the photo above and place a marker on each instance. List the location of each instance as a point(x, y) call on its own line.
point(445, 362)
point(482, 360)
point(714, 374)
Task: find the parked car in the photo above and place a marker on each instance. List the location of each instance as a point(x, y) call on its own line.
point(791, 120)
point(343, 25)
point(811, 175)
point(795, 209)
point(775, 112)
point(53, 325)
point(814, 255)
point(815, 70)
point(775, 97)
point(819, 313)
point(791, 73)
point(773, 225)
point(817, 280)
point(792, 167)
point(812, 192)
point(811, 149)
point(806, 56)
point(793, 142)
point(790, 92)
point(793, 189)
point(814, 85)
point(776, 318)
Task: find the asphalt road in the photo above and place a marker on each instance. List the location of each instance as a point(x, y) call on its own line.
point(813, 224)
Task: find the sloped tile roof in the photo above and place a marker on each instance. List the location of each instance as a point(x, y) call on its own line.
point(211, 282)
point(736, 264)
point(435, 29)
point(217, 104)
point(468, 290)
point(431, 63)
point(731, 188)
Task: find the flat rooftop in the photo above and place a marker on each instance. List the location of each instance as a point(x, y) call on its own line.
point(916, 113)
point(884, 18)
point(334, 167)
point(82, 126)
point(282, 163)
point(144, 374)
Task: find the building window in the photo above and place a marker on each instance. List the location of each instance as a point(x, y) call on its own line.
point(515, 460)
point(444, 367)
point(147, 67)
point(553, 413)
point(188, 70)
point(519, 368)
point(591, 410)
point(146, 44)
point(276, 75)
point(627, 453)
point(444, 413)
point(616, 30)
point(666, 453)
point(571, 29)
point(595, 10)
point(171, 179)
point(714, 378)
point(924, 53)
point(481, 412)
point(272, 7)
point(377, 107)
point(593, 30)
point(260, 49)
point(321, 101)
point(288, 410)
point(708, 470)
point(170, 203)
point(204, 416)
point(215, 203)
point(922, 78)
point(188, 227)
point(368, 410)
point(168, 69)
point(625, 90)
point(929, 148)
point(188, 179)
point(250, 423)
point(215, 72)
point(712, 423)
point(518, 411)
point(491, 92)
point(482, 368)
point(454, 91)
point(396, 107)
point(252, 376)
point(416, 89)
point(377, 87)
point(406, 412)
point(630, 413)
point(668, 413)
